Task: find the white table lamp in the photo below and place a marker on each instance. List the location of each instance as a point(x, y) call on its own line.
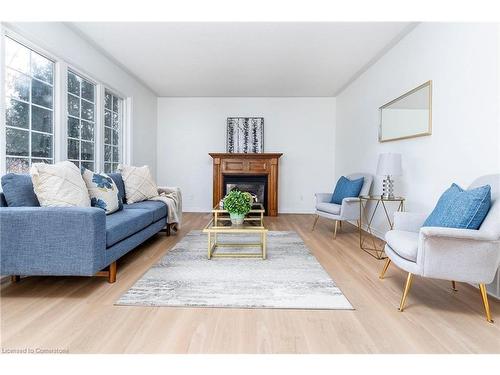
point(389, 164)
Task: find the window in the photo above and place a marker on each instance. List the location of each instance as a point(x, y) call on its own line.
point(112, 131)
point(54, 112)
point(29, 107)
point(81, 121)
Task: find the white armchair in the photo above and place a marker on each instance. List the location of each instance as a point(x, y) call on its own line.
point(348, 210)
point(466, 255)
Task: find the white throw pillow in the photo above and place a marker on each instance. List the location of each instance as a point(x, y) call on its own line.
point(139, 184)
point(102, 190)
point(59, 185)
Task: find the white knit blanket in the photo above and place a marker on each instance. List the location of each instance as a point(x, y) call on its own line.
point(172, 197)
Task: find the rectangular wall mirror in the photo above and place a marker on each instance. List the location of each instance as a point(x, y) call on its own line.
point(408, 116)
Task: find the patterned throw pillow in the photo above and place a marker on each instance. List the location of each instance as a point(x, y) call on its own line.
point(102, 190)
point(139, 184)
point(59, 185)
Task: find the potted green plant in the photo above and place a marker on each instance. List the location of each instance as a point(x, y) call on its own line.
point(238, 204)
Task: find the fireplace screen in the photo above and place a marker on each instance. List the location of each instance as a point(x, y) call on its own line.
point(255, 185)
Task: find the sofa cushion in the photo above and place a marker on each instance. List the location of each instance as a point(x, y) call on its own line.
point(18, 190)
point(122, 224)
point(59, 185)
point(346, 188)
point(404, 243)
point(459, 208)
point(139, 183)
point(117, 178)
point(158, 208)
point(330, 208)
point(102, 190)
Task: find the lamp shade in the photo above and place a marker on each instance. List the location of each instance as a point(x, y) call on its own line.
point(389, 165)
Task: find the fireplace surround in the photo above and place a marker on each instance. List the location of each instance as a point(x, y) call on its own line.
point(247, 169)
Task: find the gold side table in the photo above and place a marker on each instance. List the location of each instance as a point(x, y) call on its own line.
point(374, 250)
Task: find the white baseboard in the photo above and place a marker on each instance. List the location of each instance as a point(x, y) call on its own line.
point(295, 211)
point(195, 209)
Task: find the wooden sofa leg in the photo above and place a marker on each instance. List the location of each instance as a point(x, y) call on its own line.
point(15, 278)
point(112, 273)
point(168, 230)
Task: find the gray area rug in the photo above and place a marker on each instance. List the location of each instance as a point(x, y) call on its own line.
point(290, 278)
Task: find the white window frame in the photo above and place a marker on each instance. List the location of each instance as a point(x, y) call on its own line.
point(121, 118)
point(97, 99)
point(3, 96)
point(60, 94)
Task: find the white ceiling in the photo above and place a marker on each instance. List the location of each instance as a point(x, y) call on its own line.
point(243, 59)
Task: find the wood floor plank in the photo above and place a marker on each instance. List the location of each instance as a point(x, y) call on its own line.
point(78, 313)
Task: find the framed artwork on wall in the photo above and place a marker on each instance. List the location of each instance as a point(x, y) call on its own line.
point(245, 135)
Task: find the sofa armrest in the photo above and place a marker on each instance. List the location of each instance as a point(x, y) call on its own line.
point(168, 189)
point(52, 240)
point(409, 221)
point(178, 194)
point(323, 197)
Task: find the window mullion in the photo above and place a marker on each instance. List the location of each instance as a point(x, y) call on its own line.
point(61, 116)
point(30, 117)
point(3, 118)
point(99, 129)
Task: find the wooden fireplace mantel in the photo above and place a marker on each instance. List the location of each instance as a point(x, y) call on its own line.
point(258, 164)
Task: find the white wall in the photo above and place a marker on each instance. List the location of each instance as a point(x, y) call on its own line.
point(462, 62)
point(61, 41)
point(303, 129)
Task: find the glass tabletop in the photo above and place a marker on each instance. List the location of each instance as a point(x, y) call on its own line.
point(256, 208)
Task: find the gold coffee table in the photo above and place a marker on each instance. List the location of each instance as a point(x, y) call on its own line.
point(220, 223)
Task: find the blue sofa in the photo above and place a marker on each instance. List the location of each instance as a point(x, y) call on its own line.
point(72, 240)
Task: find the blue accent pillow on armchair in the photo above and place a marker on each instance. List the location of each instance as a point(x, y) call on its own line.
point(459, 208)
point(346, 188)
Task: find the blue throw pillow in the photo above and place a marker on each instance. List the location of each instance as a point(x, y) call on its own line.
point(459, 208)
point(346, 188)
point(18, 190)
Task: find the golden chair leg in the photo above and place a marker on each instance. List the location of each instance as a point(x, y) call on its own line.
point(384, 270)
point(315, 221)
point(484, 296)
point(406, 291)
point(454, 286)
point(335, 230)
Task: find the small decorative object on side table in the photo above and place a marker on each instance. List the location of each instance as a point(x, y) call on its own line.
point(389, 165)
point(374, 250)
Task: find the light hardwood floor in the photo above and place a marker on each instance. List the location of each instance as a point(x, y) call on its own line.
point(77, 313)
